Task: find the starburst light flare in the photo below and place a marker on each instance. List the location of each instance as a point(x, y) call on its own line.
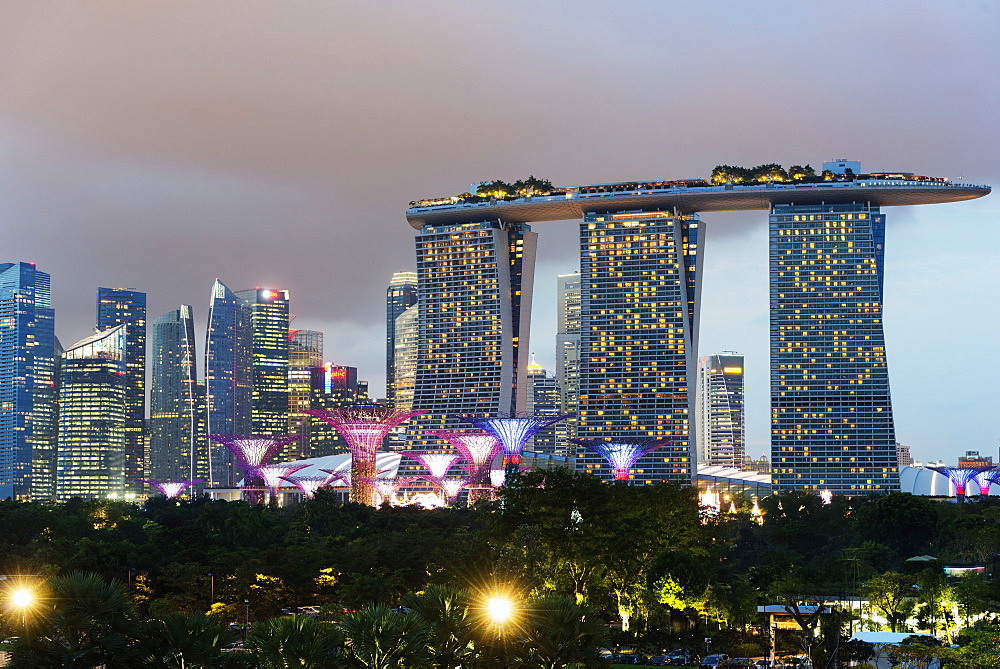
point(172, 489)
point(621, 455)
point(513, 430)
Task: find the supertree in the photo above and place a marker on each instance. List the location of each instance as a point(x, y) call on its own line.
point(961, 477)
point(622, 454)
point(172, 489)
point(308, 485)
point(437, 464)
point(388, 487)
point(479, 449)
point(986, 478)
point(274, 474)
point(253, 451)
point(513, 430)
point(364, 428)
point(452, 487)
point(343, 476)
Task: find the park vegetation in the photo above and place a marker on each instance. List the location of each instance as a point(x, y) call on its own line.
point(588, 564)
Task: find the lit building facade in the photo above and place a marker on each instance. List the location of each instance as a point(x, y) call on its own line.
point(27, 383)
point(123, 306)
point(305, 357)
point(269, 356)
point(399, 297)
point(475, 283)
point(93, 395)
point(721, 424)
point(407, 335)
point(228, 378)
point(176, 446)
point(333, 387)
point(640, 294)
point(568, 349)
point(544, 400)
point(831, 412)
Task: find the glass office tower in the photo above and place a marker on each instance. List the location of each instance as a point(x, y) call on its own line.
point(475, 282)
point(305, 357)
point(122, 306)
point(407, 336)
point(640, 298)
point(831, 413)
point(93, 410)
point(721, 430)
point(399, 296)
point(269, 347)
point(176, 449)
point(27, 384)
point(568, 351)
point(228, 378)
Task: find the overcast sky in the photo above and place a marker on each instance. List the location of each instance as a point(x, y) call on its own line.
point(159, 145)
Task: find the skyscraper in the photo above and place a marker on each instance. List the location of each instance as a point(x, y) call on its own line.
point(640, 299)
point(27, 383)
point(407, 337)
point(269, 346)
point(721, 431)
point(543, 399)
point(305, 358)
point(228, 377)
point(831, 413)
point(93, 396)
point(399, 296)
point(176, 448)
point(122, 306)
point(475, 283)
point(568, 349)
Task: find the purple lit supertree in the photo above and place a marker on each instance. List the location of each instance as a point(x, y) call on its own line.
point(513, 430)
point(479, 449)
point(387, 488)
point(452, 487)
point(622, 454)
point(172, 489)
point(364, 428)
point(274, 474)
point(437, 464)
point(253, 451)
point(308, 485)
point(341, 475)
point(986, 478)
point(961, 477)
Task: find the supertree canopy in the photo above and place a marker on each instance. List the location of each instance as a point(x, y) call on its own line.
point(388, 487)
point(961, 477)
point(986, 478)
point(308, 484)
point(437, 464)
point(478, 448)
point(513, 430)
point(452, 487)
point(274, 474)
point(172, 489)
point(254, 450)
point(622, 454)
point(364, 428)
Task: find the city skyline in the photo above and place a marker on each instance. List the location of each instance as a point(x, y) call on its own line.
point(181, 200)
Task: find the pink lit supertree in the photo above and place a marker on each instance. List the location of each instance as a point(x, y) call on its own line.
point(622, 454)
point(513, 430)
point(253, 451)
point(452, 487)
point(364, 428)
point(339, 477)
point(172, 489)
point(479, 449)
point(387, 488)
point(437, 464)
point(274, 474)
point(308, 485)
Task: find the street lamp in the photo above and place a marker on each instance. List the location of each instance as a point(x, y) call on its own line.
point(247, 625)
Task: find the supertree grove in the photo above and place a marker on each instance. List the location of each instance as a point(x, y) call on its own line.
point(961, 477)
point(172, 489)
point(479, 449)
point(253, 451)
point(621, 455)
point(364, 428)
point(388, 487)
point(452, 487)
point(437, 464)
point(986, 478)
point(308, 485)
point(274, 474)
point(513, 430)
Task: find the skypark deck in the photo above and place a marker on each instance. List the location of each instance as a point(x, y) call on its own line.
point(573, 202)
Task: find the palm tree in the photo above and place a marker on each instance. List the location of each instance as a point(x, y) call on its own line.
point(447, 614)
point(182, 640)
point(561, 633)
point(380, 638)
point(297, 641)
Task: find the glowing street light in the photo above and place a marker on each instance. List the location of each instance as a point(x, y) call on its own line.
point(500, 609)
point(23, 599)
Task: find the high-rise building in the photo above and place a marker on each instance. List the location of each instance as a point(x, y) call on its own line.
point(228, 378)
point(27, 383)
point(544, 399)
point(269, 346)
point(407, 334)
point(568, 349)
point(334, 387)
point(973, 460)
point(305, 358)
point(903, 455)
point(475, 282)
point(831, 413)
point(399, 296)
point(123, 306)
point(720, 427)
point(176, 446)
point(93, 409)
point(640, 297)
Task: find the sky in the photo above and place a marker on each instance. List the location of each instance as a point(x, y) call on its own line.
point(159, 145)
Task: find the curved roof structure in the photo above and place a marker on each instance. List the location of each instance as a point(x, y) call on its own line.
point(575, 201)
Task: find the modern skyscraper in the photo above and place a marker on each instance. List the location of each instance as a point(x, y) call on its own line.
point(122, 306)
point(831, 413)
point(405, 359)
point(269, 337)
point(568, 349)
point(475, 282)
point(27, 383)
point(399, 296)
point(334, 387)
point(93, 397)
point(176, 447)
point(640, 298)
point(543, 399)
point(305, 358)
point(228, 377)
point(720, 411)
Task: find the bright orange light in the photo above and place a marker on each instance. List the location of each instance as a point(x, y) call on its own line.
point(22, 598)
point(500, 609)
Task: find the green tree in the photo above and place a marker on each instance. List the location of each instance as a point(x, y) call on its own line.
point(447, 613)
point(295, 641)
point(184, 641)
point(380, 638)
point(561, 633)
point(892, 595)
point(899, 520)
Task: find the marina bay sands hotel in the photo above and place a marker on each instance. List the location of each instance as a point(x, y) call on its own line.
point(640, 279)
